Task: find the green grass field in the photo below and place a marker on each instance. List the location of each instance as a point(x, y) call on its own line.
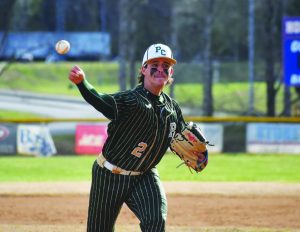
point(229, 167)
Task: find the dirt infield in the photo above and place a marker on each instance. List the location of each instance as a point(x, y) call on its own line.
point(192, 207)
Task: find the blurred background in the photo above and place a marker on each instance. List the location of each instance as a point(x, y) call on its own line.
point(231, 58)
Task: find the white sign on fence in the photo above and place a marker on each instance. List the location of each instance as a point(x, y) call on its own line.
point(35, 140)
point(273, 138)
point(214, 134)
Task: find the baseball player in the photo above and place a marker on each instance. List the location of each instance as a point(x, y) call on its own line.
point(143, 121)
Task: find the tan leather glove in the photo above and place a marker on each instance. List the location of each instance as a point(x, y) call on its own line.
point(190, 145)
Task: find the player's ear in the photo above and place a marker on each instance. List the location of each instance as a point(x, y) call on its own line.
point(143, 69)
point(171, 72)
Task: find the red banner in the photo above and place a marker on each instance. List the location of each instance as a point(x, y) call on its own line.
point(90, 139)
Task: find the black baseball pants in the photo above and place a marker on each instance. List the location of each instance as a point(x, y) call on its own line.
point(143, 194)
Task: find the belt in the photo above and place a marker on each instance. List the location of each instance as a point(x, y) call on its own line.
point(102, 162)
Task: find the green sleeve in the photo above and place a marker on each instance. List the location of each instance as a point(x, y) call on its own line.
point(104, 103)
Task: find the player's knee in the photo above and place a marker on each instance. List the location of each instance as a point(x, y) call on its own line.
point(154, 224)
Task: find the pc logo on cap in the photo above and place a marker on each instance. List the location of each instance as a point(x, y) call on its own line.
point(156, 51)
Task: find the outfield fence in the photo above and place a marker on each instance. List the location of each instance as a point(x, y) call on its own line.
point(229, 134)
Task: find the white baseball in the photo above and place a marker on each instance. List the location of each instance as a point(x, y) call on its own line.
point(62, 47)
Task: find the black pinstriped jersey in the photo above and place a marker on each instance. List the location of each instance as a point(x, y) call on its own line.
point(141, 128)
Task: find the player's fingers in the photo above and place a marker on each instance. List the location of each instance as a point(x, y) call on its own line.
point(73, 74)
point(77, 68)
point(76, 75)
point(80, 73)
point(76, 71)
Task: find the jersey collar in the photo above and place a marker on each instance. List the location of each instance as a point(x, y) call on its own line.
point(150, 95)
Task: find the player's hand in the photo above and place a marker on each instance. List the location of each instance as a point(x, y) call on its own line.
point(76, 75)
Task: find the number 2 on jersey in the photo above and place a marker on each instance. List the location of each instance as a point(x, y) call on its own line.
point(138, 151)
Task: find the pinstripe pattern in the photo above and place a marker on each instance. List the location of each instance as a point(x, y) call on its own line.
point(107, 195)
point(144, 195)
point(148, 202)
point(141, 128)
point(142, 117)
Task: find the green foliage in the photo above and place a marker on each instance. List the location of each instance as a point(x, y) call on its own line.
point(53, 78)
point(4, 114)
point(230, 95)
point(232, 167)
point(155, 21)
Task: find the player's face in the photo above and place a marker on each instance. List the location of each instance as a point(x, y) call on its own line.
point(157, 73)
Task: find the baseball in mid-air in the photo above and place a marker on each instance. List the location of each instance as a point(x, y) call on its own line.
point(62, 47)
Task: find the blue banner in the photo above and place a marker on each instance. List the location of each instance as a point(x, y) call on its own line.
point(291, 50)
point(273, 138)
point(42, 44)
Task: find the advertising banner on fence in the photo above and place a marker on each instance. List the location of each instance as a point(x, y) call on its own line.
point(35, 140)
point(214, 134)
point(90, 138)
point(291, 50)
point(273, 138)
point(8, 135)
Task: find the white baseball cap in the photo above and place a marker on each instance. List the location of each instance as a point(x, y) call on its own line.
point(156, 51)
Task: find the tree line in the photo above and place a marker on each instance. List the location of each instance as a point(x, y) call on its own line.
point(199, 31)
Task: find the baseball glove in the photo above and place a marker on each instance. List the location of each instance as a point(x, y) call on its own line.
point(190, 146)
